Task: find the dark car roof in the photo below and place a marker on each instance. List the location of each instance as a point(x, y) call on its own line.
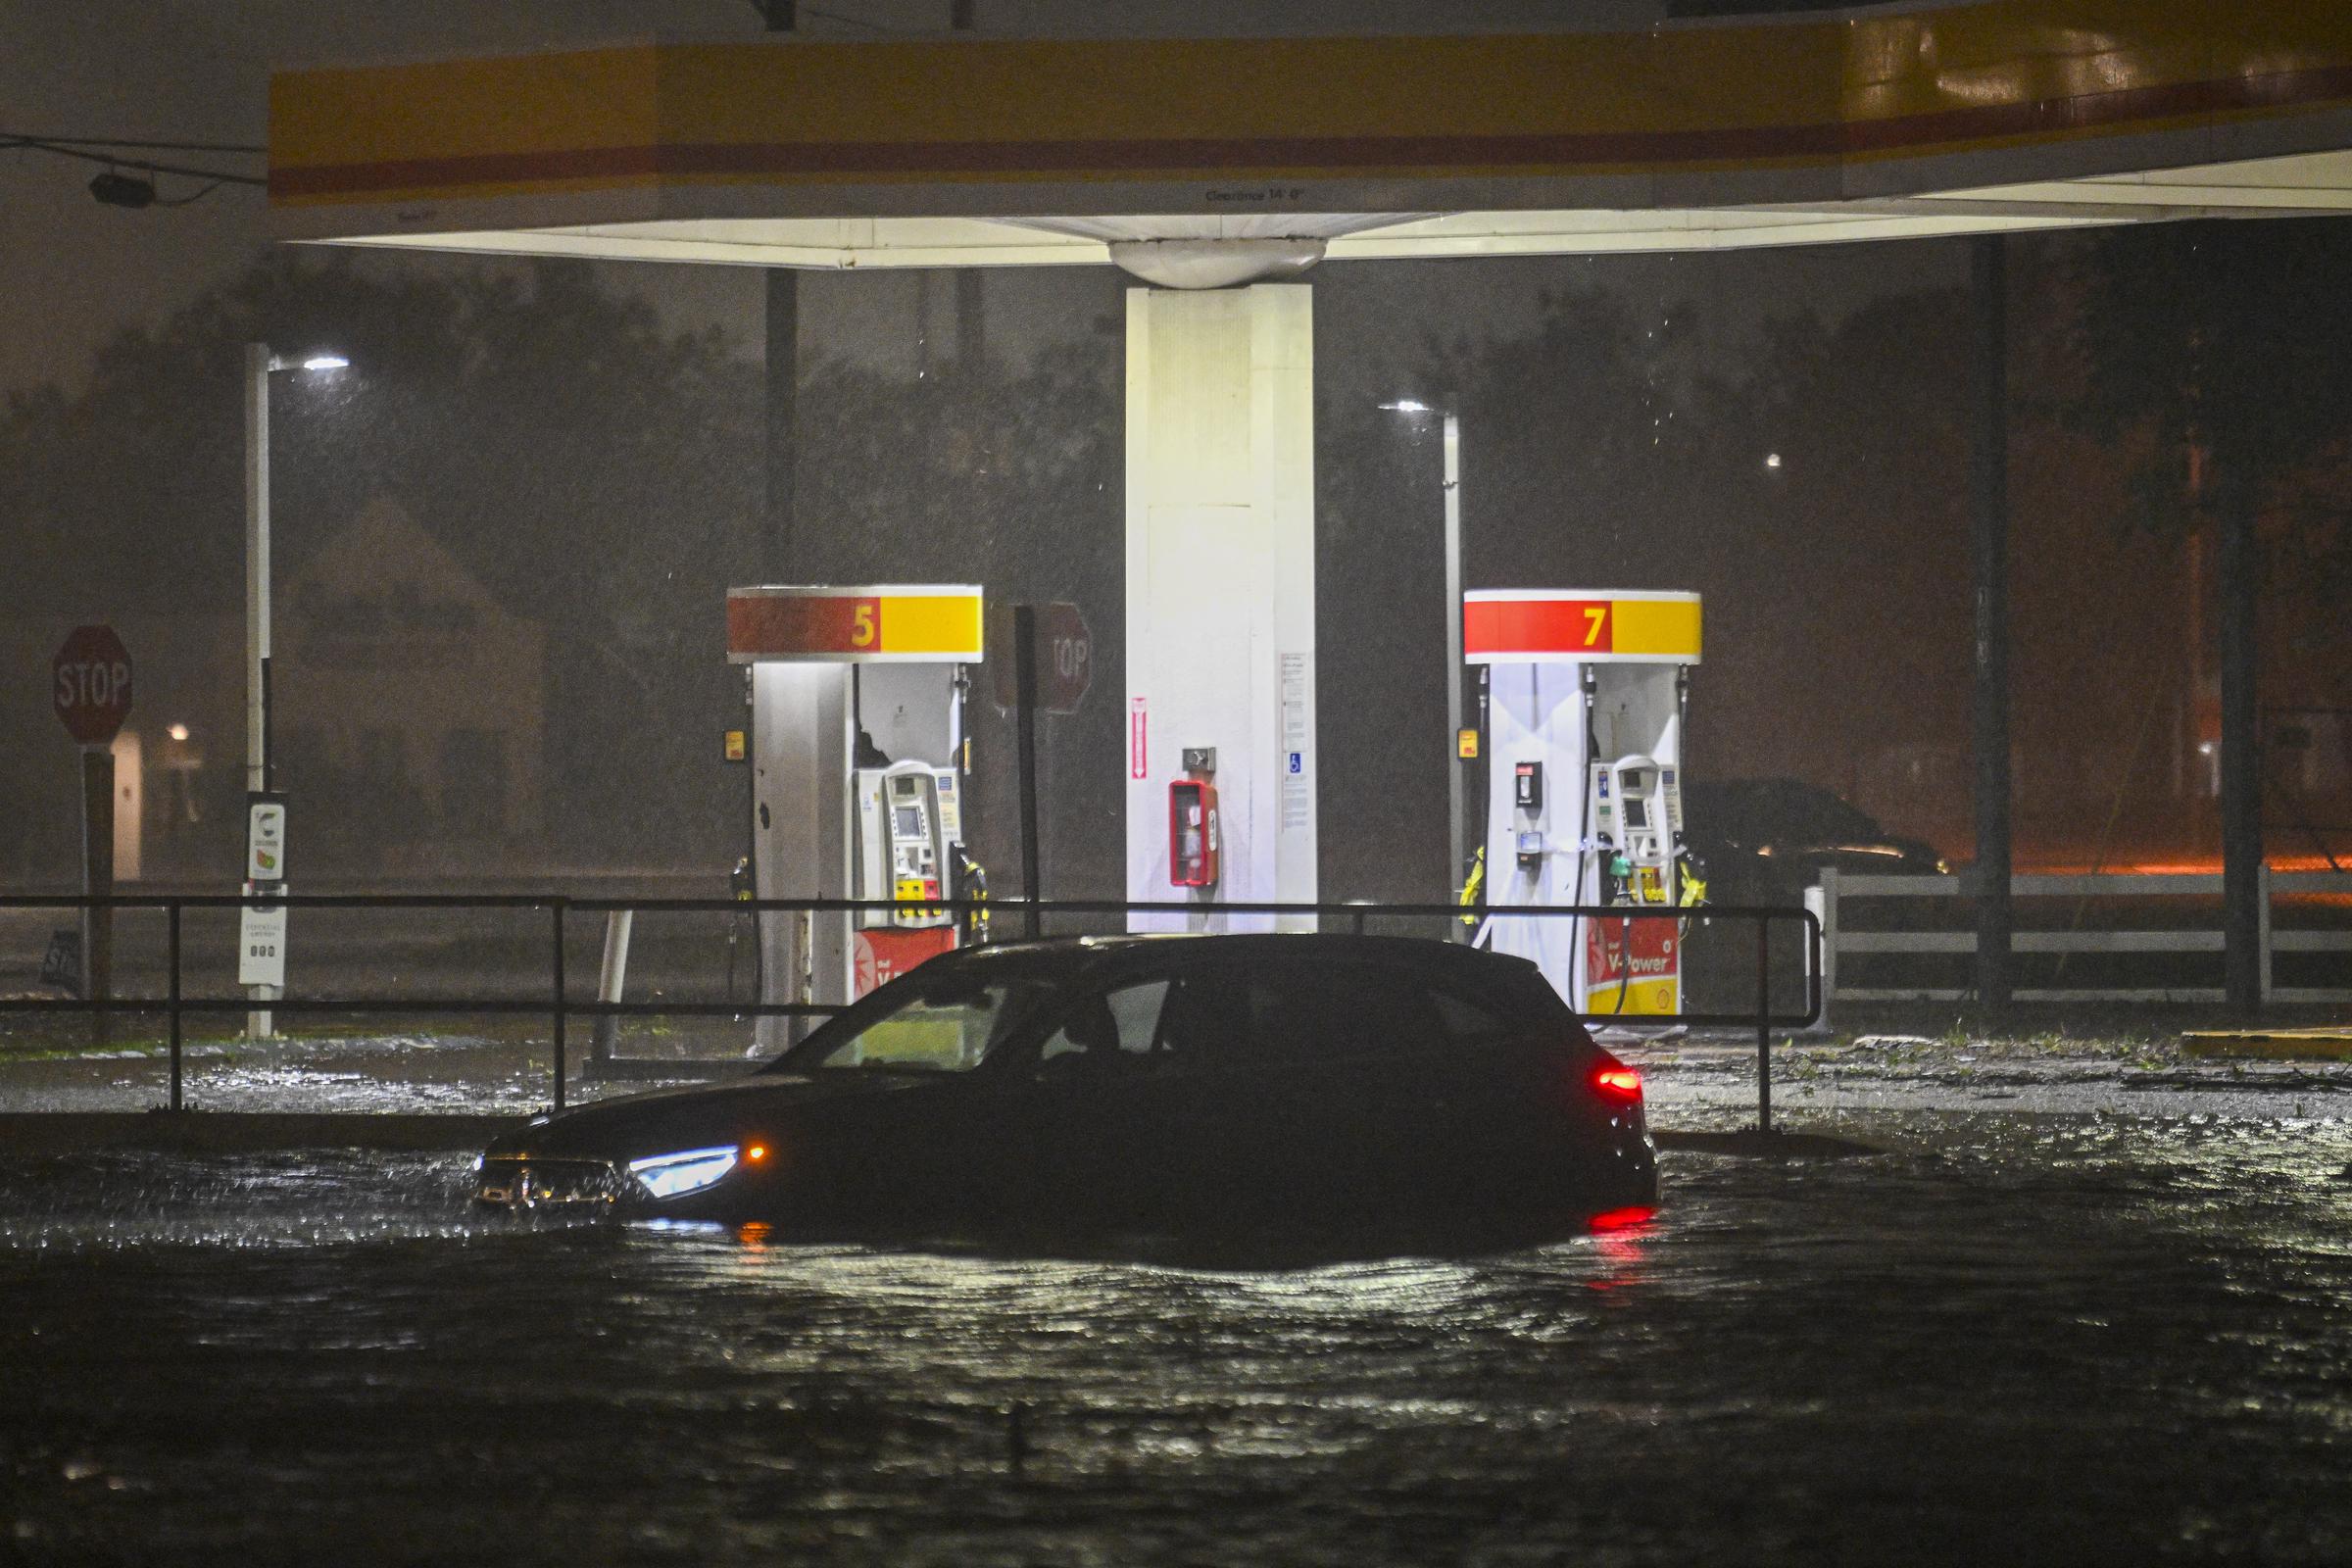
point(1068, 957)
point(1738, 807)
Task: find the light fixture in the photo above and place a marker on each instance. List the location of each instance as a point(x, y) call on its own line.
point(1407, 406)
point(122, 190)
point(321, 360)
point(178, 732)
point(1771, 461)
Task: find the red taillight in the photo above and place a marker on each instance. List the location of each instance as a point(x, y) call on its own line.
point(1614, 1080)
point(1621, 1219)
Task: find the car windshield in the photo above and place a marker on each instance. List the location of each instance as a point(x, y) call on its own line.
point(950, 1027)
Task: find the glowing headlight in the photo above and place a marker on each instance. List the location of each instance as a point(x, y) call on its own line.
point(688, 1171)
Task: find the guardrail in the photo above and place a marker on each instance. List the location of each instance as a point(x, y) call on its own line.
point(559, 1005)
point(1840, 938)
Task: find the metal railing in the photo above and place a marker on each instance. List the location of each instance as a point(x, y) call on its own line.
point(1843, 939)
point(559, 1007)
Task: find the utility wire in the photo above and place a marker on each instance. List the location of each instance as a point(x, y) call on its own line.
point(182, 201)
point(218, 177)
point(125, 141)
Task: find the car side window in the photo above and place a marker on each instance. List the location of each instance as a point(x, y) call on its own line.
point(1207, 1019)
point(1115, 1024)
point(1307, 1010)
point(1467, 1022)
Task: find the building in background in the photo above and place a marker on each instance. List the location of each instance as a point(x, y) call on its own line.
point(409, 706)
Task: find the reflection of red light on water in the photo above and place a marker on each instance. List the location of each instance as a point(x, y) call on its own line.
point(1617, 1239)
point(754, 1236)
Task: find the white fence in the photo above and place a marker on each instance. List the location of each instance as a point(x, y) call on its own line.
point(1839, 939)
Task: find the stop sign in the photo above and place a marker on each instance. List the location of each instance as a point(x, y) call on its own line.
point(91, 684)
point(1065, 659)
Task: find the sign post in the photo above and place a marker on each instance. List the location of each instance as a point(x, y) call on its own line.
point(90, 687)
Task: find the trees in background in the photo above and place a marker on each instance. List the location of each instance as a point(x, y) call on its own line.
point(595, 473)
point(602, 477)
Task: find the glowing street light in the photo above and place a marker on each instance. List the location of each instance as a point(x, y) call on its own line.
point(260, 362)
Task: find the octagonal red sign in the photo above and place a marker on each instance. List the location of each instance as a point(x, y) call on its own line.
point(91, 684)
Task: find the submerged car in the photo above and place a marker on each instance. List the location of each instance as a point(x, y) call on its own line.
point(1766, 840)
point(1134, 1084)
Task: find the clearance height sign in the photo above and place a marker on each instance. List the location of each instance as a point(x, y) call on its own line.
point(848, 625)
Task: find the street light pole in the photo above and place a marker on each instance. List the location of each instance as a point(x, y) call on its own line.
point(259, 361)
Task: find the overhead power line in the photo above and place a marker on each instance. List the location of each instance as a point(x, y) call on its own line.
point(130, 141)
point(85, 150)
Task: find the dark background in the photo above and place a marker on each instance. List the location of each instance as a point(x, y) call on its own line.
point(584, 443)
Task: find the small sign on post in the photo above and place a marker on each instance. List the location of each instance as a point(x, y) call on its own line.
point(262, 945)
point(262, 927)
point(264, 837)
point(90, 687)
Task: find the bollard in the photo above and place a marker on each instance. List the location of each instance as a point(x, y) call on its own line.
point(556, 923)
point(611, 977)
point(171, 923)
point(1763, 1023)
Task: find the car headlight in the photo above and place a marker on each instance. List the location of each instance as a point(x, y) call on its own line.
point(687, 1171)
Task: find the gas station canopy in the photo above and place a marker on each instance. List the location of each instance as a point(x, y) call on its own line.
point(1204, 161)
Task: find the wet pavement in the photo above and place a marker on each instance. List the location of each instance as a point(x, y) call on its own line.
point(2101, 1320)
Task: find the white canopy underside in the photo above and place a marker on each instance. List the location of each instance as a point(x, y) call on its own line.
point(2301, 184)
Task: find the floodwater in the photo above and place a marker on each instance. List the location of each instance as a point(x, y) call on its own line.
point(2017, 1338)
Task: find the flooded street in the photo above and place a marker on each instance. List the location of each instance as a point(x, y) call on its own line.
point(2046, 1338)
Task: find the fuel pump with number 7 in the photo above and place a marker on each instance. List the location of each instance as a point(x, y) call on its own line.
point(1586, 696)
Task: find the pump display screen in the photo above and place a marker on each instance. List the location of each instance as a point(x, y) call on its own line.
point(1637, 812)
point(910, 822)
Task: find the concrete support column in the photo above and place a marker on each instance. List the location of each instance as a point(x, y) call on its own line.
point(1221, 587)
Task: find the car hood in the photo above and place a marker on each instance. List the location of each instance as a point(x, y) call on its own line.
point(667, 1119)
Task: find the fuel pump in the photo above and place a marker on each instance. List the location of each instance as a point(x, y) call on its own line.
point(858, 778)
point(909, 822)
point(1585, 698)
point(1636, 810)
